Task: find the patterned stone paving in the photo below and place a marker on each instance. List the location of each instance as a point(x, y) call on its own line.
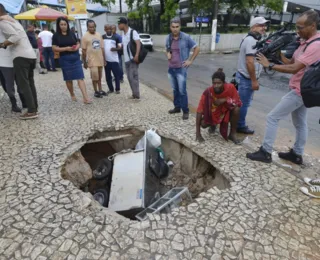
point(262, 216)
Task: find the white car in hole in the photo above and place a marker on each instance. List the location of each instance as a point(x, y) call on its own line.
point(146, 40)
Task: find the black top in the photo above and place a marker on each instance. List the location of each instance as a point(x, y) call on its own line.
point(62, 41)
point(32, 39)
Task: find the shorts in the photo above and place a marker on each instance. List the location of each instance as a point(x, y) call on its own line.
point(96, 73)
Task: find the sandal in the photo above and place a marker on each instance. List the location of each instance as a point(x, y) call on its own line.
point(87, 102)
point(74, 98)
point(234, 140)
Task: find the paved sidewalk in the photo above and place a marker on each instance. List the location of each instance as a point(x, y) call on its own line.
point(262, 215)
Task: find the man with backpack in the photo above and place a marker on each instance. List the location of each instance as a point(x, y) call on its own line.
point(292, 103)
point(131, 36)
point(179, 45)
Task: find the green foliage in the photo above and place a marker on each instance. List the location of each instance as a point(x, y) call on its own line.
point(170, 11)
point(134, 15)
point(105, 2)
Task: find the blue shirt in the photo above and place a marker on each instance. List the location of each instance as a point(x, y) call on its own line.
point(186, 44)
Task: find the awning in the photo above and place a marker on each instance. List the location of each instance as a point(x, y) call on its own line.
point(42, 13)
point(12, 6)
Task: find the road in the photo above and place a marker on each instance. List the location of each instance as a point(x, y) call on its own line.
point(153, 72)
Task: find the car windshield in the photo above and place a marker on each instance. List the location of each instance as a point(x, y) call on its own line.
point(144, 36)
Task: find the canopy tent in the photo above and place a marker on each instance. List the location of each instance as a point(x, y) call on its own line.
point(42, 13)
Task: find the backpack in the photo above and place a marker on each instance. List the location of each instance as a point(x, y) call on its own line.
point(132, 45)
point(310, 83)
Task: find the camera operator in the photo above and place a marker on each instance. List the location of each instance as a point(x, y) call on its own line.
point(307, 54)
point(249, 70)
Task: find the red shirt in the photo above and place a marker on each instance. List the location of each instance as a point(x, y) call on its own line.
point(219, 112)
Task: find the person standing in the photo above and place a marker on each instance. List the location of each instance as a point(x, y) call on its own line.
point(24, 61)
point(39, 42)
point(46, 38)
point(93, 57)
point(33, 41)
point(131, 63)
point(249, 70)
point(120, 52)
point(7, 73)
point(66, 43)
point(307, 54)
point(111, 46)
point(178, 48)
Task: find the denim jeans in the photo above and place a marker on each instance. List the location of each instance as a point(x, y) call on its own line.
point(290, 103)
point(49, 55)
point(114, 68)
point(178, 81)
point(120, 66)
point(246, 96)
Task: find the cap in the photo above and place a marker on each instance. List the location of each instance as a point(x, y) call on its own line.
point(123, 20)
point(258, 20)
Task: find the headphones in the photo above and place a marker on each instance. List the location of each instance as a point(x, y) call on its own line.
point(257, 36)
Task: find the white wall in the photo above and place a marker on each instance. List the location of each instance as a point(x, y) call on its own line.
point(227, 41)
point(103, 19)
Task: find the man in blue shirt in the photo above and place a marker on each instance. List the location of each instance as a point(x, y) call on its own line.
point(178, 46)
point(120, 53)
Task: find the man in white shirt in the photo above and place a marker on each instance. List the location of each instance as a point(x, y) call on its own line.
point(131, 62)
point(46, 38)
point(6, 68)
point(111, 47)
point(24, 60)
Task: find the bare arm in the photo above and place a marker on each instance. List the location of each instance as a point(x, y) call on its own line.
point(251, 68)
point(198, 128)
point(138, 44)
point(196, 51)
point(285, 60)
point(290, 68)
point(104, 56)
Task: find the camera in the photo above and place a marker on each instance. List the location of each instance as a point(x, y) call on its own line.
point(275, 42)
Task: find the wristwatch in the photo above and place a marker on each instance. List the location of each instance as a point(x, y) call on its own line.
point(271, 66)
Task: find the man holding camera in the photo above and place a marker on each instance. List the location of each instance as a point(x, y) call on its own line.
point(249, 70)
point(292, 103)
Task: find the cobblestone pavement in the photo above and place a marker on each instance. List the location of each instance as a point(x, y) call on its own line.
point(262, 215)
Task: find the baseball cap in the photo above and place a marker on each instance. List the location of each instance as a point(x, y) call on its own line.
point(258, 20)
point(122, 20)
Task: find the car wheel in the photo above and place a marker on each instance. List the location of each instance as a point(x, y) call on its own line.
point(102, 196)
point(103, 170)
point(151, 49)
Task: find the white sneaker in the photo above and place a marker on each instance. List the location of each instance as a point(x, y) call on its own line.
point(312, 182)
point(312, 191)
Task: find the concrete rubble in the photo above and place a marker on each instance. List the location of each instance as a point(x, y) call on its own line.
point(262, 215)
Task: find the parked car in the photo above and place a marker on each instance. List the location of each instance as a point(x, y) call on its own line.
point(146, 40)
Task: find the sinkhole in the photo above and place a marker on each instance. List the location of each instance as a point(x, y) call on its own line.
point(134, 181)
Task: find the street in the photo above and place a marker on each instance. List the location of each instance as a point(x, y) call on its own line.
point(153, 72)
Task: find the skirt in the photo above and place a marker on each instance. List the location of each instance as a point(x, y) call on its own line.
point(71, 66)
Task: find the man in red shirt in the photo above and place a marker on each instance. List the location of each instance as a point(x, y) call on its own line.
point(219, 104)
point(292, 103)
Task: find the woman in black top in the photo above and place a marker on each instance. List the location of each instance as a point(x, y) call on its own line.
point(66, 43)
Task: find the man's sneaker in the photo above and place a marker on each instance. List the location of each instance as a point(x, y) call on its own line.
point(312, 191)
point(261, 156)
point(185, 116)
point(110, 92)
point(292, 157)
point(245, 130)
point(117, 92)
point(312, 182)
point(97, 94)
point(103, 93)
point(175, 111)
point(121, 80)
point(28, 116)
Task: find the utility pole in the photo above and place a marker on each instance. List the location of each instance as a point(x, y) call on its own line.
point(120, 4)
point(215, 9)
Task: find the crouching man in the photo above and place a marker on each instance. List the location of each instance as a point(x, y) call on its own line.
point(219, 104)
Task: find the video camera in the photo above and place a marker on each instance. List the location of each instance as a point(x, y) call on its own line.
point(275, 42)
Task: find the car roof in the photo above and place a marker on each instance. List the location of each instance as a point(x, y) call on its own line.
point(144, 34)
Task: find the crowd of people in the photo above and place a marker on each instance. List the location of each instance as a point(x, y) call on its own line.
point(220, 104)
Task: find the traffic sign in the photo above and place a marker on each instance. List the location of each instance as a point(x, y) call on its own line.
point(200, 19)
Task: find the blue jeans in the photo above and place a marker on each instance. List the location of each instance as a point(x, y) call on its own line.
point(48, 54)
point(246, 95)
point(290, 103)
point(114, 68)
point(178, 81)
point(120, 66)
